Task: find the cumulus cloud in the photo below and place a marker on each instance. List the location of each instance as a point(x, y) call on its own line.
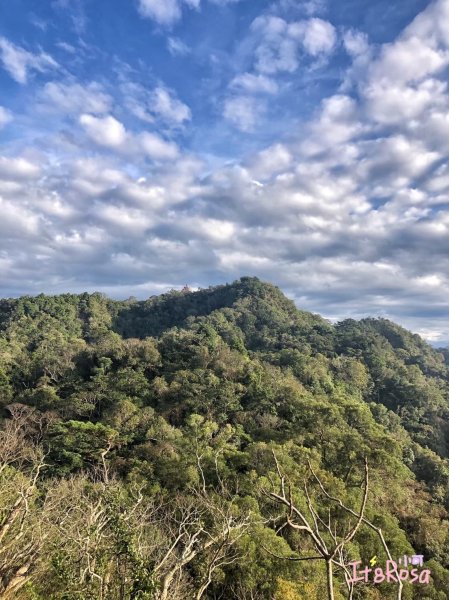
point(396, 88)
point(280, 43)
point(75, 98)
point(18, 168)
point(18, 62)
point(348, 214)
point(355, 42)
point(270, 161)
point(277, 51)
point(167, 107)
point(316, 36)
point(157, 104)
point(165, 13)
point(104, 131)
point(243, 112)
point(157, 148)
point(110, 133)
point(168, 12)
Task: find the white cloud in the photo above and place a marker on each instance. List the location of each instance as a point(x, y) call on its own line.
point(337, 123)
point(272, 160)
point(157, 148)
point(123, 218)
point(165, 13)
point(5, 116)
point(277, 56)
point(110, 133)
point(316, 36)
point(224, 2)
point(18, 169)
point(17, 222)
point(280, 42)
point(243, 112)
point(168, 12)
point(73, 98)
point(18, 61)
point(395, 159)
point(158, 104)
point(66, 47)
point(167, 107)
point(104, 131)
point(253, 84)
point(391, 103)
point(177, 47)
point(355, 42)
point(405, 86)
point(269, 25)
point(432, 24)
point(395, 66)
point(76, 13)
point(277, 51)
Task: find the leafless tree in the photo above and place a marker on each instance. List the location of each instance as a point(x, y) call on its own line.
point(201, 528)
point(22, 461)
point(107, 535)
point(329, 545)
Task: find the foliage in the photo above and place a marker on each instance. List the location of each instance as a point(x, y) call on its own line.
point(135, 433)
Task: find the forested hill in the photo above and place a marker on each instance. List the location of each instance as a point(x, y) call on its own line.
point(160, 422)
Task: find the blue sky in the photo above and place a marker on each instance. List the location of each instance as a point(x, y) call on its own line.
point(146, 144)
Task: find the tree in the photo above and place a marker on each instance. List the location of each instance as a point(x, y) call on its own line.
point(329, 544)
point(203, 528)
point(22, 461)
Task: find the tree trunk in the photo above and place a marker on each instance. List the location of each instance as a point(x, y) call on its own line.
point(17, 581)
point(329, 579)
point(202, 589)
point(166, 583)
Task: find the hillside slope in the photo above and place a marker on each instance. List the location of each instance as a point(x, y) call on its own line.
point(193, 391)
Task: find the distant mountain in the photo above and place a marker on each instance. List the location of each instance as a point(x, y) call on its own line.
point(440, 344)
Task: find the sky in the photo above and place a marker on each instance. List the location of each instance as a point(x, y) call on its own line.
point(149, 144)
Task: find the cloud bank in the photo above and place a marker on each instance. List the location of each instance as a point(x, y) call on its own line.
point(348, 212)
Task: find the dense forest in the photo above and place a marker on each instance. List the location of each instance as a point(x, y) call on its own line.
point(217, 444)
